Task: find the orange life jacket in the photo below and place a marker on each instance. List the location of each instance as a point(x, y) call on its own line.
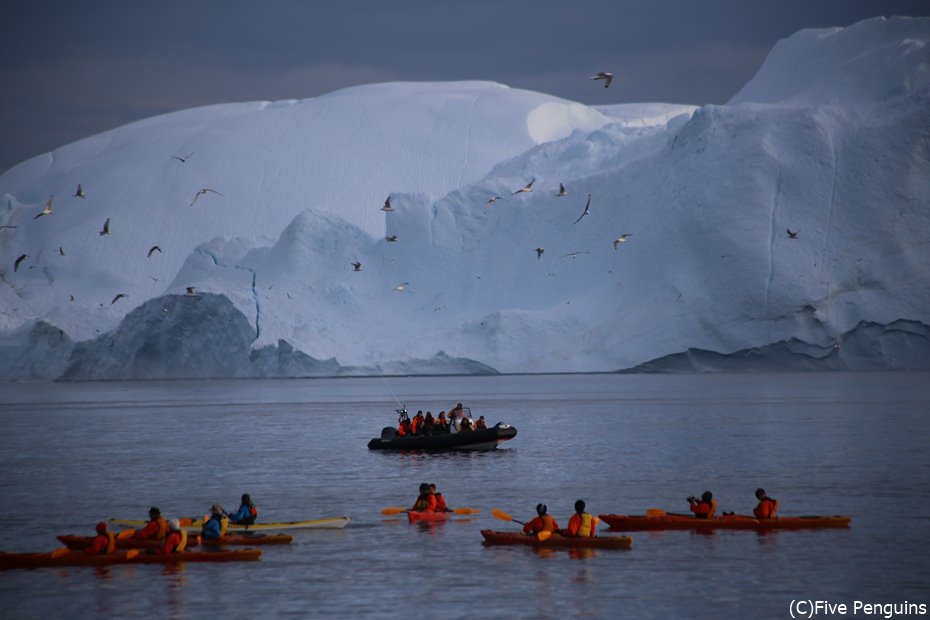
point(766, 508)
point(582, 524)
point(154, 530)
point(544, 523)
point(440, 502)
point(102, 543)
point(703, 510)
point(175, 542)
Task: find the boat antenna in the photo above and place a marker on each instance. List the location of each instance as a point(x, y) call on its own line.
point(402, 407)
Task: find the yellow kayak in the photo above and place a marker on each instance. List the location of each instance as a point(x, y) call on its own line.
point(194, 525)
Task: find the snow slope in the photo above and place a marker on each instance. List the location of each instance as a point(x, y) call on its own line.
point(831, 139)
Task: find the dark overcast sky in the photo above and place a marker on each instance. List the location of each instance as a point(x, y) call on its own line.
point(73, 68)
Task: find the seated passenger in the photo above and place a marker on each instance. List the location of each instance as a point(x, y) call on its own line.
point(403, 424)
point(705, 508)
point(429, 424)
point(439, 499)
point(247, 512)
point(465, 425)
point(425, 501)
point(767, 506)
point(581, 524)
point(215, 524)
point(156, 528)
point(103, 543)
point(442, 425)
point(480, 425)
point(542, 523)
point(176, 541)
point(416, 425)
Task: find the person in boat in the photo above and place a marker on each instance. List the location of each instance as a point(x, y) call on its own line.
point(703, 508)
point(104, 542)
point(403, 424)
point(439, 499)
point(247, 512)
point(416, 425)
point(541, 523)
point(465, 425)
point(176, 540)
point(441, 424)
point(480, 424)
point(426, 502)
point(766, 507)
point(214, 525)
point(156, 528)
point(581, 524)
point(429, 424)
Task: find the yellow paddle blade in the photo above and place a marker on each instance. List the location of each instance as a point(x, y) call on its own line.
point(465, 511)
point(132, 553)
point(393, 511)
point(125, 534)
point(544, 535)
point(57, 553)
point(500, 514)
point(655, 512)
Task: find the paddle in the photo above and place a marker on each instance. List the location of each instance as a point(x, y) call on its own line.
point(503, 516)
point(130, 554)
point(459, 511)
point(125, 534)
point(57, 553)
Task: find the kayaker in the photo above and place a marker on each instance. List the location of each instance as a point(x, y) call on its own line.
point(214, 525)
point(247, 512)
point(156, 528)
point(439, 499)
point(425, 501)
point(767, 506)
point(480, 424)
point(541, 523)
point(103, 543)
point(581, 523)
point(705, 508)
point(176, 540)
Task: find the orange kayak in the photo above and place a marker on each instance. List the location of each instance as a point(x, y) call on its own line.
point(79, 558)
point(556, 540)
point(427, 515)
point(674, 521)
point(82, 542)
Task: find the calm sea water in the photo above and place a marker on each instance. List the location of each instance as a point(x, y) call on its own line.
point(822, 443)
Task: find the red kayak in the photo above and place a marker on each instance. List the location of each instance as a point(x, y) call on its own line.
point(673, 521)
point(131, 556)
point(82, 542)
point(556, 540)
point(426, 515)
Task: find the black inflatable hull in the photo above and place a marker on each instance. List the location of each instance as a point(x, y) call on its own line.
point(486, 439)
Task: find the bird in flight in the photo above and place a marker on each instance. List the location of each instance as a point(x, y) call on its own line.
point(539, 252)
point(392, 238)
point(184, 159)
point(61, 251)
point(586, 210)
point(387, 205)
point(79, 193)
point(562, 191)
point(621, 239)
point(792, 235)
point(106, 228)
point(572, 255)
point(7, 226)
point(21, 258)
point(400, 288)
point(357, 265)
point(604, 75)
point(152, 250)
point(118, 297)
point(47, 210)
point(527, 188)
point(190, 292)
point(203, 191)
point(491, 201)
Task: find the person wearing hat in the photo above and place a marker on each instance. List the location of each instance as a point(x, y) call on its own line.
point(155, 528)
point(176, 540)
point(247, 512)
point(581, 524)
point(215, 524)
point(705, 508)
point(542, 523)
point(104, 542)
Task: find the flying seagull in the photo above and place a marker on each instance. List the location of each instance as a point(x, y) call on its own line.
point(400, 288)
point(153, 249)
point(61, 251)
point(539, 252)
point(79, 193)
point(357, 265)
point(47, 210)
point(604, 75)
point(7, 226)
point(392, 238)
point(586, 210)
point(491, 201)
point(106, 228)
point(621, 239)
point(527, 188)
point(118, 297)
point(21, 258)
point(184, 159)
point(562, 191)
point(792, 235)
point(572, 255)
point(191, 292)
point(201, 192)
point(387, 205)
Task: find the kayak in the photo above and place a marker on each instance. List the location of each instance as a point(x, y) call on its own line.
point(427, 516)
point(556, 540)
point(485, 439)
point(81, 542)
point(194, 525)
point(79, 558)
point(673, 521)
